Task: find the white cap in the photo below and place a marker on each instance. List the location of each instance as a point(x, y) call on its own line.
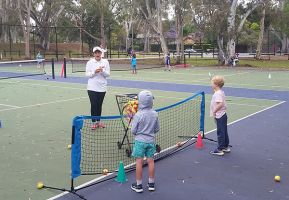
point(97, 49)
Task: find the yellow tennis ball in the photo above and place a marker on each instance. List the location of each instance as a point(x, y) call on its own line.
point(40, 185)
point(179, 144)
point(69, 146)
point(105, 171)
point(135, 107)
point(277, 178)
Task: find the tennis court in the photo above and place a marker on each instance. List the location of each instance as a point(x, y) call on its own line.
point(36, 115)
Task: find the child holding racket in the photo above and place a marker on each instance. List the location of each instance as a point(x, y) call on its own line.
point(145, 125)
point(218, 110)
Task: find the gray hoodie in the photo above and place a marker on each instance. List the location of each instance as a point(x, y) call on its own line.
point(145, 123)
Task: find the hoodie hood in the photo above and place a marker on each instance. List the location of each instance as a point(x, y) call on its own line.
point(145, 99)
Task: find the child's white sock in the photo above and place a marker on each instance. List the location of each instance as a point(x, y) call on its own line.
point(138, 182)
point(151, 180)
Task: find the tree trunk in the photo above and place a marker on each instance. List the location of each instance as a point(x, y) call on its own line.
point(232, 31)
point(44, 38)
point(25, 7)
point(284, 44)
point(179, 30)
point(102, 35)
point(221, 55)
point(160, 28)
point(261, 34)
point(146, 39)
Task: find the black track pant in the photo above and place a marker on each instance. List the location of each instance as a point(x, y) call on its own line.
point(96, 100)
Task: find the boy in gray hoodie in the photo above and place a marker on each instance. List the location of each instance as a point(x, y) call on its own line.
point(145, 125)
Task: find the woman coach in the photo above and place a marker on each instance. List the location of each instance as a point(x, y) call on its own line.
point(97, 69)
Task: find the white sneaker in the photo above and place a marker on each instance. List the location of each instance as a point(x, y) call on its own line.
point(226, 150)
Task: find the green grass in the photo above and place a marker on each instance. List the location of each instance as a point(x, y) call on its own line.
point(244, 62)
point(36, 129)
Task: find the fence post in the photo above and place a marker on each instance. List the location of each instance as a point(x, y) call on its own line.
point(56, 45)
point(64, 66)
point(52, 68)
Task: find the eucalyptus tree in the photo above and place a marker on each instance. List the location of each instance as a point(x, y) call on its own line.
point(24, 8)
point(152, 12)
point(226, 18)
point(45, 14)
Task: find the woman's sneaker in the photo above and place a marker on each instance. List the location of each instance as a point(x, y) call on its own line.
point(217, 152)
point(101, 125)
point(93, 126)
point(137, 188)
point(226, 150)
point(151, 186)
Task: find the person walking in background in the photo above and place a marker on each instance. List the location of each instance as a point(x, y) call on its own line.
point(133, 64)
point(167, 62)
point(39, 59)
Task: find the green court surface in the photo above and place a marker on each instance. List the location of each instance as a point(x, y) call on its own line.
point(36, 121)
point(238, 78)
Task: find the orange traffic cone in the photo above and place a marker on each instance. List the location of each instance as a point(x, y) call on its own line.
point(199, 143)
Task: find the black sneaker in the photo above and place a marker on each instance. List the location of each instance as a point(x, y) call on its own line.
point(151, 186)
point(217, 152)
point(137, 188)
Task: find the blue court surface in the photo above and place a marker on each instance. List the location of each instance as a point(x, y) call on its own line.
point(260, 151)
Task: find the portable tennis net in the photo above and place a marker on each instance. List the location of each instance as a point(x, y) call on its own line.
point(96, 150)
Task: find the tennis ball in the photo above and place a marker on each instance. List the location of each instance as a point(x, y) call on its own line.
point(179, 144)
point(69, 146)
point(105, 171)
point(40, 185)
point(277, 178)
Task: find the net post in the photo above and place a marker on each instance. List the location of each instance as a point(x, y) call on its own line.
point(64, 66)
point(52, 68)
point(72, 185)
point(202, 122)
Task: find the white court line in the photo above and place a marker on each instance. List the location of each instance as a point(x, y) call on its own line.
point(9, 105)
point(101, 177)
point(41, 104)
point(84, 89)
point(246, 84)
point(181, 81)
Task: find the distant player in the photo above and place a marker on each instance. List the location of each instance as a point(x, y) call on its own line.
point(167, 62)
point(145, 125)
point(218, 110)
point(39, 59)
point(133, 64)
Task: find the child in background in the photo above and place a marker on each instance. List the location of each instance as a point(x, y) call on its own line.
point(39, 59)
point(133, 64)
point(218, 110)
point(168, 62)
point(145, 125)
